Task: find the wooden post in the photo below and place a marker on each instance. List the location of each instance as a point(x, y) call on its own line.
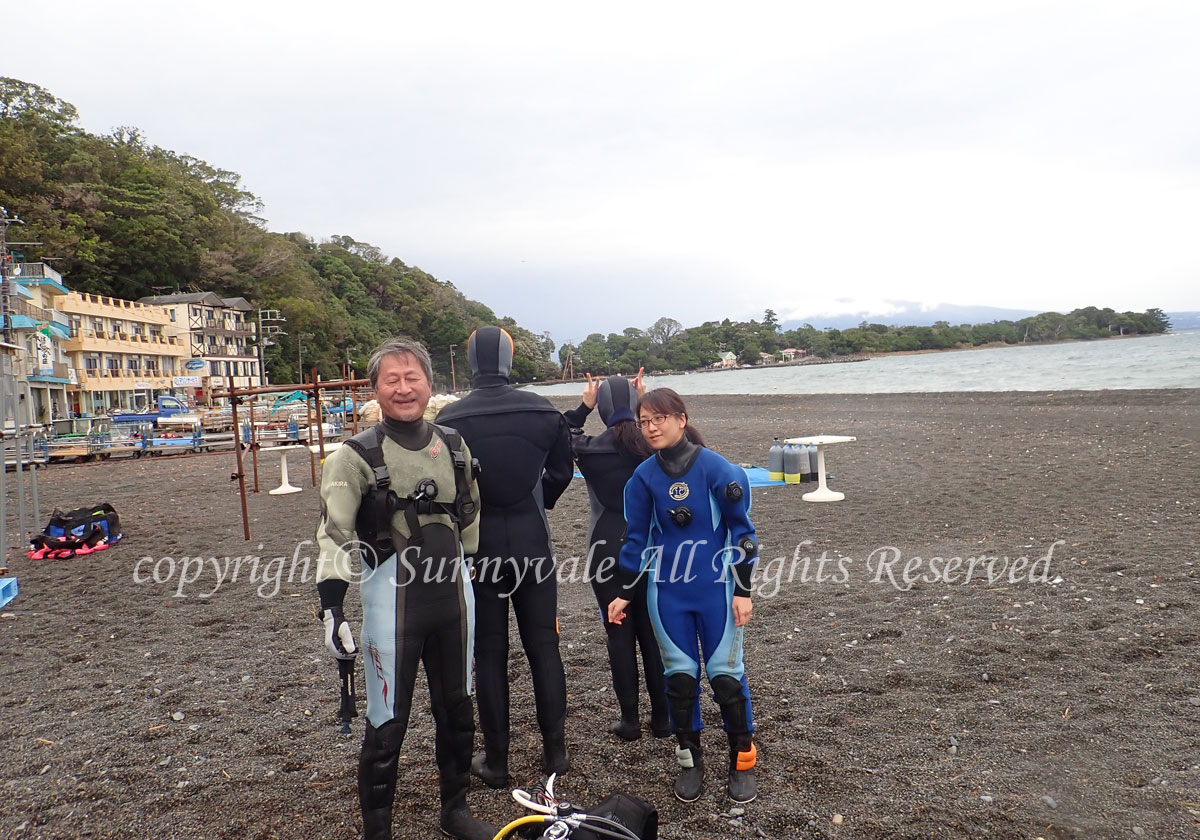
point(312, 456)
point(253, 445)
point(320, 420)
point(237, 451)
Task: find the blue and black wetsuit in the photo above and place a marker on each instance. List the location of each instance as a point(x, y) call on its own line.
point(607, 468)
point(689, 533)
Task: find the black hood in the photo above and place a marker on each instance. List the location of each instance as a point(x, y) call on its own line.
point(616, 400)
point(490, 352)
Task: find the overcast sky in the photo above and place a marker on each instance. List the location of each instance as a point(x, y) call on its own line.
point(587, 167)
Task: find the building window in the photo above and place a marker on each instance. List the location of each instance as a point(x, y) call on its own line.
point(172, 316)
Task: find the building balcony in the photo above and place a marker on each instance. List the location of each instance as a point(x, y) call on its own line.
point(122, 342)
point(102, 306)
point(108, 379)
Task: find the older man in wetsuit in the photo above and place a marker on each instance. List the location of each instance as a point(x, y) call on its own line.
point(402, 496)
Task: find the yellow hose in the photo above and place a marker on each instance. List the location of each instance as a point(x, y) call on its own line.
point(515, 824)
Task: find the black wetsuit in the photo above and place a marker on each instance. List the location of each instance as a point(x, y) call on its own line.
point(607, 467)
point(522, 443)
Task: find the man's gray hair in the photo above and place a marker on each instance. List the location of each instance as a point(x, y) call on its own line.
point(400, 347)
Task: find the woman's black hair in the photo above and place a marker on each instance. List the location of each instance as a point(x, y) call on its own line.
point(666, 401)
point(628, 438)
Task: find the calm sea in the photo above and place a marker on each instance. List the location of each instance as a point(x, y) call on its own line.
point(1160, 361)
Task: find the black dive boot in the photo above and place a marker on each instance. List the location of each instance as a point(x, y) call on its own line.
point(491, 770)
point(627, 728)
point(660, 720)
point(743, 755)
point(554, 753)
point(735, 708)
point(689, 784)
point(377, 778)
point(491, 765)
point(456, 819)
point(377, 824)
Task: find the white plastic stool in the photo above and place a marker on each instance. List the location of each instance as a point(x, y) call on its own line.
point(822, 493)
point(285, 487)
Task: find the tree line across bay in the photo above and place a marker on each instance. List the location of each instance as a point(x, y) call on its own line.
point(667, 345)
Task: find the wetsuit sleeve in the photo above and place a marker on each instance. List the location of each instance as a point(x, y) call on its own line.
point(470, 530)
point(735, 508)
point(344, 481)
point(638, 512)
point(560, 466)
point(576, 417)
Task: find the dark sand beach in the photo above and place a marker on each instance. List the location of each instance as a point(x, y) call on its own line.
point(1060, 698)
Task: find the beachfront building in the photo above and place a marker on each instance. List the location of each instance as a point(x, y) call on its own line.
point(39, 332)
point(123, 354)
point(790, 354)
point(220, 336)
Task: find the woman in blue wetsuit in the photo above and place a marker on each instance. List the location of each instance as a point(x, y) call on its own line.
point(690, 537)
point(607, 461)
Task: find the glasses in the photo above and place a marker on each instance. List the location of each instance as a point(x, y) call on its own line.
point(653, 420)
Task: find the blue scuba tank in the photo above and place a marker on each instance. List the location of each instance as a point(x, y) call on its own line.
point(806, 473)
point(812, 461)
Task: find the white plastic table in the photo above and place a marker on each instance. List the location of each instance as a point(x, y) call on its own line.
point(285, 486)
point(822, 493)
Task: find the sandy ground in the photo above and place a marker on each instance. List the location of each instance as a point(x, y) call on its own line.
point(1060, 698)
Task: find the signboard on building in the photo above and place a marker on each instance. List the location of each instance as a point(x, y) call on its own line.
point(142, 386)
point(43, 350)
point(195, 364)
point(72, 376)
point(186, 381)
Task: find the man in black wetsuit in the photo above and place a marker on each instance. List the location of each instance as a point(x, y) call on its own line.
point(524, 451)
point(416, 598)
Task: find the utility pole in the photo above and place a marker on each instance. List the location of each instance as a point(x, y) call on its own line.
point(5, 289)
point(268, 328)
point(300, 339)
point(453, 383)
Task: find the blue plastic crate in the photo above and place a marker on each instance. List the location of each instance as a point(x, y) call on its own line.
point(8, 590)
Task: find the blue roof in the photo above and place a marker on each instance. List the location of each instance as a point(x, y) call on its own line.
point(44, 281)
point(24, 322)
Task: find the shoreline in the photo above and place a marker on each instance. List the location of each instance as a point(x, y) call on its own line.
point(865, 357)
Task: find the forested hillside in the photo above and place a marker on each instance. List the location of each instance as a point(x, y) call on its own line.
point(120, 216)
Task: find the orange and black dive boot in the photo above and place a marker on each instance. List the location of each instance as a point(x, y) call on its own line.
point(743, 755)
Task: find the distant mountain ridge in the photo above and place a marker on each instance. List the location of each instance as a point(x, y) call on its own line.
point(1184, 320)
point(913, 314)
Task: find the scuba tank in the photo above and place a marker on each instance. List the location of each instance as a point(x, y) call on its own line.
point(807, 473)
point(812, 461)
point(792, 456)
point(775, 462)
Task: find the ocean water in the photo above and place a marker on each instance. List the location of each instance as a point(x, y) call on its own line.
point(1160, 361)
